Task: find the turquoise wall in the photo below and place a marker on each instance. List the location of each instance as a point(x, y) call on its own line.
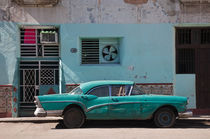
point(147, 55)
point(185, 86)
point(9, 53)
point(146, 50)
point(9, 48)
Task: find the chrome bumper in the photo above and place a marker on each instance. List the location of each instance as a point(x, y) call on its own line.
point(185, 114)
point(40, 112)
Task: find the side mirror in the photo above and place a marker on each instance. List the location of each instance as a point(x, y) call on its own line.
point(84, 97)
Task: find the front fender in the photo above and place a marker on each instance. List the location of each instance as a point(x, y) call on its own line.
point(59, 102)
point(61, 105)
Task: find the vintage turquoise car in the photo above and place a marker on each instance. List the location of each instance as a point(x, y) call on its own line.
point(111, 100)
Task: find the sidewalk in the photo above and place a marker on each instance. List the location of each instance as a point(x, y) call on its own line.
point(56, 119)
point(31, 119)
point(199, 117)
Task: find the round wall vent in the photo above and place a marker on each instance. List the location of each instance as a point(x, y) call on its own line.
point(109, 53)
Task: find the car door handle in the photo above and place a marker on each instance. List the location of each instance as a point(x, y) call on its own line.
point(115, 100)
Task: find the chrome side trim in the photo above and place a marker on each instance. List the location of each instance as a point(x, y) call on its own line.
point(125, 103)
point(54, 113)
point(130, 90)
point(96, 106)
point(90, 108)
point(185, 114)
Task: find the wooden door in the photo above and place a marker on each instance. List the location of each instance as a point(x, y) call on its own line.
point(203, 78)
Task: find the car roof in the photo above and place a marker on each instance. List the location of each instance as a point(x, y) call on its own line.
point(89, 85)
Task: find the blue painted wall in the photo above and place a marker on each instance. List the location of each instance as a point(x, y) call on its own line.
point(145, 50)
point(9, 53)
point(147, 55)
point(9, 48)
point(185, 86)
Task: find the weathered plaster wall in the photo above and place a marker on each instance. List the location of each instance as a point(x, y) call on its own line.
point(9, 48)
point(108, 11)
point(5, 101)
point(9, 53)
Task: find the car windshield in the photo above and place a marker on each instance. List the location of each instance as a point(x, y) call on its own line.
point(137, 90)
point(76, 91)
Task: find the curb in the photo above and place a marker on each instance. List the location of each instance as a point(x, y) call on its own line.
point(31, 120)
point(56, 119)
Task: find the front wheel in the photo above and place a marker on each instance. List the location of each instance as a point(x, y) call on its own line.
point(74, 118)
point(165, 117)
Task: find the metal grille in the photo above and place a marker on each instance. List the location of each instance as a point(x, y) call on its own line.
point(184, 36)
point(49, 72)
point(28, 50)
point(29, 65)
point(185, 60)
point(49, 64)
point(32, 46)
point(28, 36)
point(29, 85)
point(35, 73)
point(50, 50)
point(47, 76)
point(29, 77)
point(205, 36)
point(90, 51)
point(29, 93)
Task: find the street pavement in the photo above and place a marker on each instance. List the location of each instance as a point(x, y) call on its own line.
point(51, 127)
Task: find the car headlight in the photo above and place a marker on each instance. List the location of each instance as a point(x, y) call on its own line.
point(188, 100)
point(37, 102)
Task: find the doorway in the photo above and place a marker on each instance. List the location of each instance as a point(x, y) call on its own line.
point(193, 57)
point(36, 78)
point(38, 65)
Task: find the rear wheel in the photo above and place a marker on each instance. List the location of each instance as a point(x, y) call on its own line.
point(165, 117)
point(74, 118)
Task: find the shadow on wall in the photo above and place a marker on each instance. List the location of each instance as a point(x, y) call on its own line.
point(16, 91)
point(3, 71)
point(8, 50)
point(63, 81)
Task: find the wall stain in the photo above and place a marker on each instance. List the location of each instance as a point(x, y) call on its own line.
point(136, 1)
point(89, 9)
point(92, 18)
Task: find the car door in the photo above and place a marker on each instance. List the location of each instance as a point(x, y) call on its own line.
point(97, 102)
point(123, 106)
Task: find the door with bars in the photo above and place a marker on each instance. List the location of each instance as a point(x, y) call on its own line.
point(33, 76)
point(193, 57)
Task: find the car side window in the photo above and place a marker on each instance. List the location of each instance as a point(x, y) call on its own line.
point(102, 91)
point(120, 90)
